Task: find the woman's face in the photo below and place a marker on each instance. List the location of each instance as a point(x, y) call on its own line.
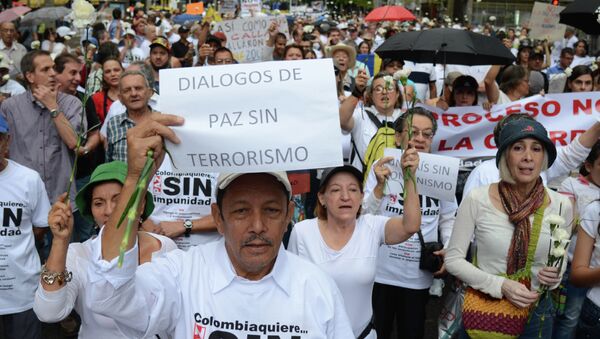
point(293, 54)
point(524, 159)
point(594, 170)
point(582, 83)
point(342, 59)
point(364, 48)
point(112, 72)
point(385, 95)
point(393, 67)
point(524, 55)
point(104, 200)
point(422, 134)
point(464, 97)
point(310, 55)
point(580, 49)
point(342, 197)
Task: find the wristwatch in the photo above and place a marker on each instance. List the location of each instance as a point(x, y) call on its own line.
point(54, 113)
point(187, 223)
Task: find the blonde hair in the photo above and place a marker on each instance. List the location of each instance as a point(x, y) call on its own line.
point(505, 174)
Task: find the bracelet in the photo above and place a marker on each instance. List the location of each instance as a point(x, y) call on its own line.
point(51, 277)
point(356, 93)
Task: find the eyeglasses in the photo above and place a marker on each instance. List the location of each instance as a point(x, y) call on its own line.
point(380, 89)
point(426, 133)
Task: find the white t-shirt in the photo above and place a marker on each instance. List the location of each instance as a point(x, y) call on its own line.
point(12, 87)
point(183, 195)
point(584, 193)
point(424, 72)
point(54, 306)
point(585, 60)
point(352, 267)
point(398, 265)
point(590, 218)
point(568, 158)
point(364, 129)
point(23, 204)
point(58, 47)
point(134, 54)
point(198, 293)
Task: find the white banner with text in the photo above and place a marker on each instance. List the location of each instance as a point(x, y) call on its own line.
point(271, 116)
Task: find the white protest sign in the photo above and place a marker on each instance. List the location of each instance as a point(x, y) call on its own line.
point(543, 23)
point(246, 37)
point(271, 116)
point(467, 132)
point(249, 6)
point(436, 176)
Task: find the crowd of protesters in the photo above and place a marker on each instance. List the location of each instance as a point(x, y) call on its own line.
point(206, 259)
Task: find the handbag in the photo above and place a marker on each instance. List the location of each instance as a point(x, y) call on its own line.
point(450, 318)
point(429, 261)
point(485, 317)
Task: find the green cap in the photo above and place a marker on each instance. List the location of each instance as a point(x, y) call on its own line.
point(112, 171)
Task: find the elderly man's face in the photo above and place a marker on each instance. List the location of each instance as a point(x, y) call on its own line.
point(253, 217)
point(134, 92)
point(8, 32)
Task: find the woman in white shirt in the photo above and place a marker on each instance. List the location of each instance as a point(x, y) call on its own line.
point(586, 271)
point(500, 217)
point(401, 288)
point(345, 243)
point(57, 297)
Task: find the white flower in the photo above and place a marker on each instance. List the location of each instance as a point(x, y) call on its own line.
point(93, 46)
point(381, 31)
point(594, 67)
point(35, 44)
point(568, 71)
point(308, 28)
point(558, 252)
point(560, 235)
point(492, 18)
point(554, 219)
point(5, 77)
point(402, 74)
point(83, 13)
point(67, 37)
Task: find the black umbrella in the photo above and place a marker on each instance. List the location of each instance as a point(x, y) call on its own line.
point(582, 14)
point(446, 46)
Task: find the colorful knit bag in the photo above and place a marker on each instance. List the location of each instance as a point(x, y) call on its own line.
point(485, 317)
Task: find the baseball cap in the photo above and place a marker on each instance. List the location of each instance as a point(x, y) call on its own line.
point(3, 125)
point(465, 82)
point(130, 31)
point(227, 178)
point(330, 172)
point(183, 29)
point(220, 35)
point(162, 42)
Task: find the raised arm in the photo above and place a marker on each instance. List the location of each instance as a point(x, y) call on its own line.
point(491, 88)
point(348, 105)
point(398, 229)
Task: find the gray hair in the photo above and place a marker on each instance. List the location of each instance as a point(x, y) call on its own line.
point(144, 68)
point(132, 72)
point(505, 174)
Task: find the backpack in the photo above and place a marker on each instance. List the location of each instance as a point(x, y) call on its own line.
point(383, 138)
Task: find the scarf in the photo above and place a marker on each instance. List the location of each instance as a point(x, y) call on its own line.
point(519, 209)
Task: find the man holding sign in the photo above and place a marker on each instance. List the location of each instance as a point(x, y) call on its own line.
point(401, 287)
point(228, 289)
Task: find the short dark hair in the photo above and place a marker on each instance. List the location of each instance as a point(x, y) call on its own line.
point(62, 60)
point(296, 46)
point(591, 158)
point(401, 121)
point(116, 13)
point(28, 61)
point(333, 29)
point(566, 50)
point(511, 77)
point(223, 49)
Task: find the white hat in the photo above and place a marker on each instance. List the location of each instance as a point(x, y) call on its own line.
point(63, 31)
point(342, 25)
point(129, 31)
point(227, 178)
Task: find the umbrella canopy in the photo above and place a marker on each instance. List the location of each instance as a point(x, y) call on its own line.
point(13, 13)
point(183, 18)
point(446, 46)
point(390, 13)
point(45, 14)
point(582, 14)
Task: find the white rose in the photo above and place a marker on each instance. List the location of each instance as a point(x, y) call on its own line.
point(308, 29)
point(561, 234)
point(402, 74)
point(5, 77)
point(554, 219)
point(35, 44)
point(558, 252)
point(83, 13)
point(594, 67)
point(568, 71)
